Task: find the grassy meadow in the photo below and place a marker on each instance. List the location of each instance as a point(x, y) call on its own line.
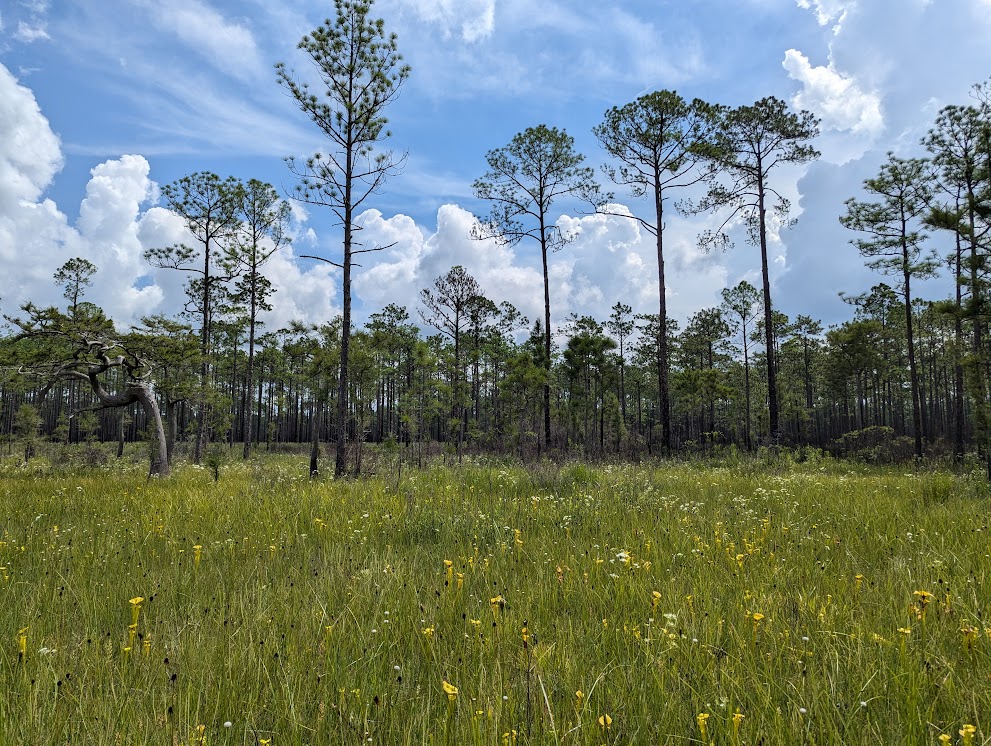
point(821, 603)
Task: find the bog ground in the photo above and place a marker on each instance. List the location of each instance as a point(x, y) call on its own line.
point(486, 604)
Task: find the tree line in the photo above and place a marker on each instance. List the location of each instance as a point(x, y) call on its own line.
point(469, 372)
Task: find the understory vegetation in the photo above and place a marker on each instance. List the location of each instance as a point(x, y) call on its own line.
point(727, 602)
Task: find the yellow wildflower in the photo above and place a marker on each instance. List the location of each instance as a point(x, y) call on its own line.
point(605, 722)
point(497, 603)
point(449, 689)
point(135, 608)
point(967, 734)
point(924, 598)
point(737, 722)
point(969, 636)
point(702, 718)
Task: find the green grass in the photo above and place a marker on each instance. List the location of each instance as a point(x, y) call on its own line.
point(323, 612)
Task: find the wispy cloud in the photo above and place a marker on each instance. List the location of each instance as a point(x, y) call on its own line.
point(172, 101)
point(470, 19)
point(227, 44)
point(28, 33)
point(32, 21)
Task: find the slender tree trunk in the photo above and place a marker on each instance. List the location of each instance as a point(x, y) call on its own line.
point(547, 335)
point(622, 382)
point(121, 426)
point(808, 392)
point(201, 423)
point(912, 367)
point(235, 419)
point(601, 398)
point(663, 388)
point(340, 465)
point(315, 438)
point(958, 387)
point(772, 379)
point(861, 399)
point(246, 419)
point(746, 386)
point(712, 399)
point(171, 416)
point(457, 410)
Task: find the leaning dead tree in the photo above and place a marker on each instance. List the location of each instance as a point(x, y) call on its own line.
point(55, 348)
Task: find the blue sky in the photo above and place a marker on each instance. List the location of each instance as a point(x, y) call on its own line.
point(100, 101)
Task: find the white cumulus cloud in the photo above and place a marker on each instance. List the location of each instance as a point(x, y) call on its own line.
point(30, 153)
point(578, 283)
point(827, 11)
point(416, 260)
point(117, 223)
point(835, 98)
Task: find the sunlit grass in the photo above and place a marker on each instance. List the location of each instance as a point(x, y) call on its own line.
point(681, 604)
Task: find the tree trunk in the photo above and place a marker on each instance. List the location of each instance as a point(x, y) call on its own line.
point(315, 439)
point(340, 464)
point(122, 424)
point(247, 420)
point(547, 337)
point(143, 394)
point(772, 379)
point(663, 390)
point(746, 386)
point(137, 391)
point(958, 380)
point(912, 367)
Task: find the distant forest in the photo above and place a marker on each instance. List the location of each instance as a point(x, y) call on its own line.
point(464, 373)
